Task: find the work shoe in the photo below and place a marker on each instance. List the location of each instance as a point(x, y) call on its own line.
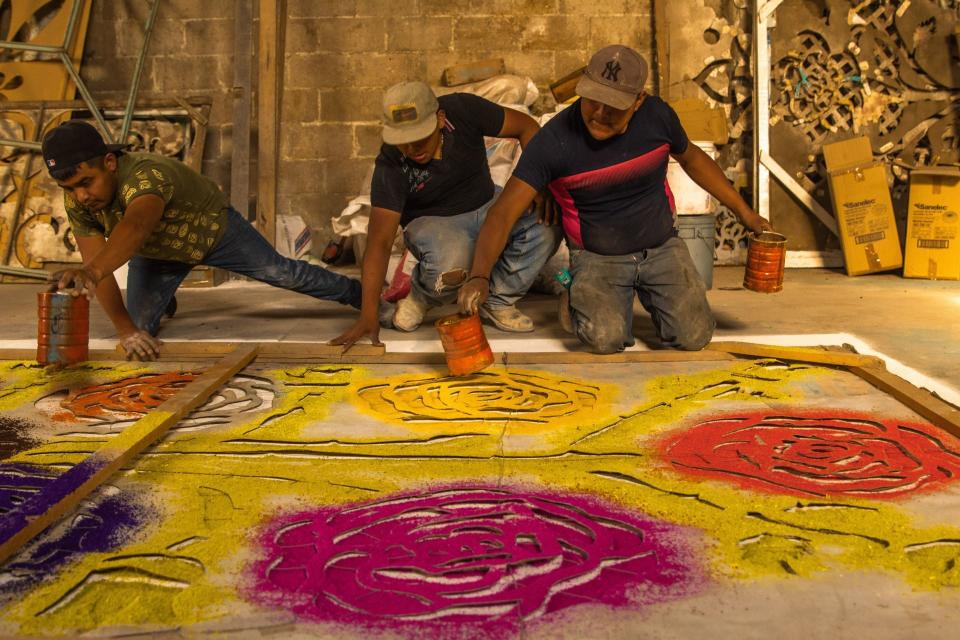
point(563, 312)
point(410, 312)
point(507, 318)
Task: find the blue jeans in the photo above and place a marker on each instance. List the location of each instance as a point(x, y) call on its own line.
point(444, 246)
point(151, 283)
point(667, 283)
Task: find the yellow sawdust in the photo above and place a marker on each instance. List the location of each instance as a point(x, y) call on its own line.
point(216, 488)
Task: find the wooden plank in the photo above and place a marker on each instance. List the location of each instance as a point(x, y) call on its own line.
point(59, 497)
point(240, 155)
point(939, 413)
point(566, 87)
point(796, 354)
point(294, 352)
point(661, 40)
point(472, 72)
point(270, 74)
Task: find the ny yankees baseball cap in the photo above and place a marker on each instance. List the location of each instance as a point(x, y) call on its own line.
point(614, 76)
point(409, 112)
point(73, 142)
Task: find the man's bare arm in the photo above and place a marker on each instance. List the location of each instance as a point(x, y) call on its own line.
point(706, 173)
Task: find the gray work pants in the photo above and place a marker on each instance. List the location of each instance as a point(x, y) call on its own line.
point(669, 288)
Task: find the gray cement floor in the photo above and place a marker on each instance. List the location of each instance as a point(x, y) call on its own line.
point(914, 321)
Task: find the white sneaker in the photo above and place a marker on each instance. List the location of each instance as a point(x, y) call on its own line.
point(507, 318)
point(563, 312)
point(410, 311)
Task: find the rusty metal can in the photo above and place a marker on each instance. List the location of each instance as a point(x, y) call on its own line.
point(63, 329)
point(766, 256)
point(464, 344)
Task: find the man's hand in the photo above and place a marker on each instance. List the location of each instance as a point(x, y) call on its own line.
point(140, 345)
point(755, 223)
point(363, 327)
point(473, 293)
point(76, 282)
point(548, 211)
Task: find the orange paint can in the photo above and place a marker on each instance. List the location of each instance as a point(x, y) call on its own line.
point(464, 344)
point(63, 329)
point(766, 255)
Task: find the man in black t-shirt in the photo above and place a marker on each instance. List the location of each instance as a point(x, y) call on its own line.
point(432, 178)
point(605, 161)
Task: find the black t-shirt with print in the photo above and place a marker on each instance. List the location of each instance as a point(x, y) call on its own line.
point(456, 183)
point(613, 193)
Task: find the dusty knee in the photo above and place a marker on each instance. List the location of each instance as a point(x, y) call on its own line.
point(602, 338)
point(696, 338)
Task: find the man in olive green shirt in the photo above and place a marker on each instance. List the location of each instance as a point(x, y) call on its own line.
point(164, 218)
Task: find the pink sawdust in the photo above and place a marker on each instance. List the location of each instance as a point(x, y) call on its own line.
point(495, 556)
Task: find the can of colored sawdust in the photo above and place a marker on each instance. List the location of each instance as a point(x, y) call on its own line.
point(766, 255)
point(63, 329)
point(464, 344)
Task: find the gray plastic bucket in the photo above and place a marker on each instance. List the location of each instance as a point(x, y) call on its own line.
point(699, 232)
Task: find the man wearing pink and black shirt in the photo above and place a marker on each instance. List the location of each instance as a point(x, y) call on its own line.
point(605, 161)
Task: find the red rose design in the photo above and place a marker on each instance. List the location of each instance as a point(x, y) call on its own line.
point(818, 455)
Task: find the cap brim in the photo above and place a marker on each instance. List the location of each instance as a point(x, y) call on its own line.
point(615, 98)
point(406, 135)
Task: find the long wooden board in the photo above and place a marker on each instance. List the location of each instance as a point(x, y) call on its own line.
point(63, 494)
point(796, 354)
point(938, 412)
point(292, 352)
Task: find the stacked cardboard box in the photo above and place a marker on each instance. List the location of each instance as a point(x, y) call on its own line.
point(864, 210)
point(933, 224)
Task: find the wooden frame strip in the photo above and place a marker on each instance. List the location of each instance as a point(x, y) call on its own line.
point(796, 354)
point(937, 411)
point(67, 490)
point(366, 353)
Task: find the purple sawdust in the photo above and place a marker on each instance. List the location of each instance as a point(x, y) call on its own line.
point(103, 523)
point(493, 556)
point(15, 436)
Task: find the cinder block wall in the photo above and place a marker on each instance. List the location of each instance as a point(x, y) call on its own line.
point(340, 56)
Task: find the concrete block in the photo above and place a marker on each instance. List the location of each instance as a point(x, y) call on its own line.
point(386, 8)
point(106, 75)
point(315, 71)
point(419, 34)
point(348, 176)
point(169, 38)
point(382, 70)
point(315, 141)
point(572, 59)
point(336, 35)
point(300, 105)
point(320, 8)
point(298, 176)
point(349, 104)
point(176, 75)
point(491, 34)
point(602, 7)
point(455, 8)
point(514, 8)
point(538, 65)
point(554, 33)
point(367, 140)
point(633, 31)
point(209, 36)
point(314, 207)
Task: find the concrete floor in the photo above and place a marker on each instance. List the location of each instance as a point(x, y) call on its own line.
point(913, 321)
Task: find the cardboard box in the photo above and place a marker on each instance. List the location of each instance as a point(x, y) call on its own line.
point(933, 224)
point(864, 210)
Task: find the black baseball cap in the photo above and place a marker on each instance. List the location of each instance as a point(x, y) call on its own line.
point(73, 142)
